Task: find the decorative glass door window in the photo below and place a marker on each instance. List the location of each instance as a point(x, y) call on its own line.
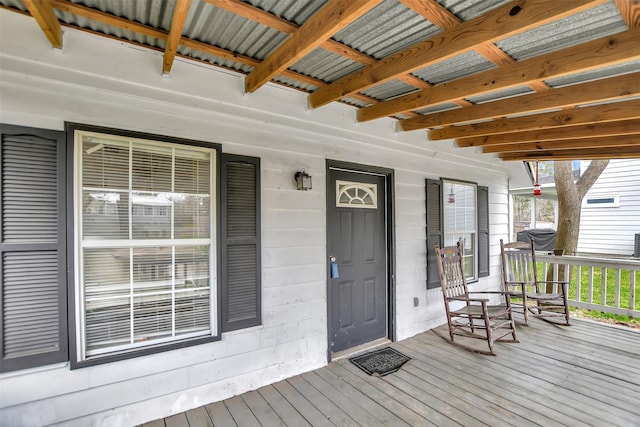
point(356, 195)
point(460, 221)
point(146, 242)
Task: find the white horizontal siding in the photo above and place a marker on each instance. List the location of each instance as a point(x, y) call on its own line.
point(122, 87)
point(611, 230)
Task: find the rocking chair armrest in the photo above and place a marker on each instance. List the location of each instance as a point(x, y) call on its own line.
point(521, 282)
point(469, 299)
point(488, 292)
point(561, 282)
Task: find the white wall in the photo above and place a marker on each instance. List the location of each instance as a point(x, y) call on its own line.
point(103, 82)
point(611, 229)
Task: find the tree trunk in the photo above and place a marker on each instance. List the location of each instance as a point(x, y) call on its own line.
point(570, 197)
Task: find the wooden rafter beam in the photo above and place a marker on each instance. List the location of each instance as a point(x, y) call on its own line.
point(126, 24)
point(175, 33)
point(629, 152)
point(42, 12)
point(598, 53)
point(630, 11)
point(567, 144)
point(433, 11)
point(614, 88)
point(512, 18)
point(263, 17)
point(572, 117)
point(592, 130)
point(332, 18)
point(109, 19)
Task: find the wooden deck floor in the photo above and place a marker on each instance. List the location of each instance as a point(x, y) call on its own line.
point(585, 374)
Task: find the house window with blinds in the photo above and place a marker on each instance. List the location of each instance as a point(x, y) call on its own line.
point(145, 251)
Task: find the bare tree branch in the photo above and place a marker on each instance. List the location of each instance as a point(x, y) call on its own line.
point(589, 177)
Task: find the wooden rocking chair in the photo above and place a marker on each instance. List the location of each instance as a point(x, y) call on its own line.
point(520, 277)
point(467, 316)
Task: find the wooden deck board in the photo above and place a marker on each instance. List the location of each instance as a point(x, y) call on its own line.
point(527, 392)
point(262, 410)
point(574, 388)
point(240, 412)
point(329, 409)
point(282, 407)
point(309, 412)
point(199, 417)
point(220, 415)
point(340, 399)
point(403, 410)
point(509, 408)
point(178, 420)
point(584, 374)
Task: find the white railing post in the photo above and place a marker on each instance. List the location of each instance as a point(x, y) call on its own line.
point(619, 266)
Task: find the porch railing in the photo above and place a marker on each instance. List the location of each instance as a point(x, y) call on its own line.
point(602, 284)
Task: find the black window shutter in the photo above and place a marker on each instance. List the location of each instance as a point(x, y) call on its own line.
point(434, 229)
point(241, 289)
point(33, 281)
point(483, 231)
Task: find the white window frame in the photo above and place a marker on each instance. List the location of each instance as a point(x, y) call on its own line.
point(447, 234)
point(80, 245)
point(601, 201)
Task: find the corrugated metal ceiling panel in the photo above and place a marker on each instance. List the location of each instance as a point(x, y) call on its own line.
point(625, 68)
point(500, 94)
point(469, 9)
point(455, 68)
point(389, 90)
point(326, 66)
point(386, 29)
point(295, 11)
point(579, 28)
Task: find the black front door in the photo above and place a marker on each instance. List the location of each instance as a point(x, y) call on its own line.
point(357, 242)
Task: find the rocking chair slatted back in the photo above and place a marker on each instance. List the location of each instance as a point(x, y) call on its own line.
point(544, 299)
point(472, 317)
point(519, 265)
point(452, 278)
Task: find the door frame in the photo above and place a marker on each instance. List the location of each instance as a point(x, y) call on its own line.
point(389, 175)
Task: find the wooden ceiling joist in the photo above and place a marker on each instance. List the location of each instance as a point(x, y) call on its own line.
point(332, 18)
point(606, 51)
point(593, 130)
point(42, 12)
point(109, 19)
point(263, 17)
point(572, 117)
point(175, 33)
point(567, 144)
point(629, 152)
point(597, 119)
point(630, 11)
point(591, 92)
point(512, 18)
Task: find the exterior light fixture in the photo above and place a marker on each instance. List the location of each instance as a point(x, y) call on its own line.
point(536, 186)
point(303, 180)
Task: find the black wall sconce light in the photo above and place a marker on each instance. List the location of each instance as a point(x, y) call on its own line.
point(303, 180)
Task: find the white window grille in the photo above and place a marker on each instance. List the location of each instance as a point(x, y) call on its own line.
point(146, 242)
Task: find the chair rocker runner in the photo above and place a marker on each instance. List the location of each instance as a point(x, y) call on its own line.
point(467, 316)
point(538, 298)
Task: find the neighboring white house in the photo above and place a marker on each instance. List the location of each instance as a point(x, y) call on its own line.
point(610, 217)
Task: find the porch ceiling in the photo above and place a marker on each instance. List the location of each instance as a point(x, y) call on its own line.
point(524, 79)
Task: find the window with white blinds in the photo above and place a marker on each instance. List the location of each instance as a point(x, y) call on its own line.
point(146, 243)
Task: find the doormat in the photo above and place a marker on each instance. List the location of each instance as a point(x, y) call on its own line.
point(382, 362)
